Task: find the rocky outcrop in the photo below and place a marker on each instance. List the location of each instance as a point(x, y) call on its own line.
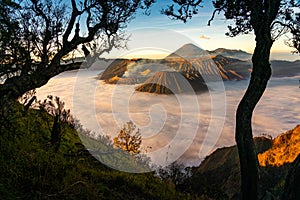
point(221, 169)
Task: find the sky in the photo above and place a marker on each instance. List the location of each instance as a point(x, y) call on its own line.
point(195, 30)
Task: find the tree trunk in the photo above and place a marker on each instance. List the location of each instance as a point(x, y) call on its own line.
point(260, 75)
point(292, 182)
point(56, 133)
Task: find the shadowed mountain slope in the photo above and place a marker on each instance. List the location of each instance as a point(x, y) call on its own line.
point(232, 69)
point(116, 69)
point(170, 82)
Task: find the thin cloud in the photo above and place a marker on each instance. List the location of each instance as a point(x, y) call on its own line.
point(204, 37)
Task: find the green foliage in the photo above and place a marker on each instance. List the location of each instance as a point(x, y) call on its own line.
point(175, 173)
point(190, 181)
point(32, 169)
point(103, 150)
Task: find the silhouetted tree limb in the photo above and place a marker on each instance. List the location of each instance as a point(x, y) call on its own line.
point(32, 49)
point(217, 10)
point(184, 11)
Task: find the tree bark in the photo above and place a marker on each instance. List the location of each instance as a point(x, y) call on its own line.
point(260, 75)
point(292, 182)
point(16, 86)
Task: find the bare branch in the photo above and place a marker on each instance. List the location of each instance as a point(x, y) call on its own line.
point(218, 10)
point(71, 23)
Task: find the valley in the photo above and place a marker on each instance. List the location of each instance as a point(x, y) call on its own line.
point(195, 123)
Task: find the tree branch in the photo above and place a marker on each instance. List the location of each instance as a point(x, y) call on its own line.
point(213, 15)
point(47, 36)
point(71, 23)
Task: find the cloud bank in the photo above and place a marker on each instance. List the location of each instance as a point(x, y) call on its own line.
point(174, 128)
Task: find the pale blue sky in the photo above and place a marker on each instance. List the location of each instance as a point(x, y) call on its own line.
point(196, 30)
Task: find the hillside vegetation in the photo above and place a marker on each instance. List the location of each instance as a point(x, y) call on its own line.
point(32, 169)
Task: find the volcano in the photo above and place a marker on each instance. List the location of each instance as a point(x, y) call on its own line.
point(196, 62)
point(171, 82)
point(188, 51)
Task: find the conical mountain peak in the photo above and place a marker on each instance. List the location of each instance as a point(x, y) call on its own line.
point(188, 51)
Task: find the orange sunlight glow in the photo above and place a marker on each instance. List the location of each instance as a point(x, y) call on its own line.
point(285, 149)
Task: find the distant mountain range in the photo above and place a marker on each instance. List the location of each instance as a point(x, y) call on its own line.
point(283, 68)
point(193, 63)
point(191, 50)
point(189, 60)
point(231, 53)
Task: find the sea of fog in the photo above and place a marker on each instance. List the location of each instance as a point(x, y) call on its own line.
point(185, 127)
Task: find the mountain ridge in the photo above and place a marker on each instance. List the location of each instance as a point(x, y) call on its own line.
point(221, 168)
point(232, 53)
point(193, 61)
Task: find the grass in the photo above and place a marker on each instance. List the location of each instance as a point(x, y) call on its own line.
point(32, 169)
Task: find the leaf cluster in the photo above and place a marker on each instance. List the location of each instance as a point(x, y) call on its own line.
point(129, 139)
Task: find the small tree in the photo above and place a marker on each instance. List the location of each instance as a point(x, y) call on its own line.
point(175, 173)
point(55, 107)
point(129, 139)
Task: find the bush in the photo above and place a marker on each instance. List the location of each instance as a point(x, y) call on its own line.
point(129, 139)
